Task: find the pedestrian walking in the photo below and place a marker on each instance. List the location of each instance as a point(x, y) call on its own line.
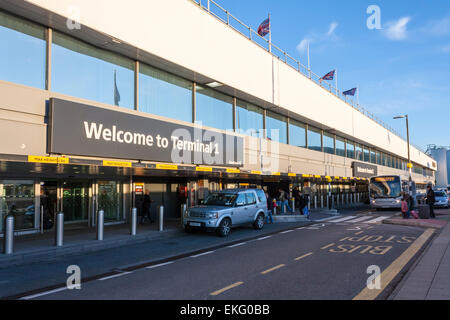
point(430, 200)
point(146, 206)
point(269, 208)
point(406, 205)
point(283, 201)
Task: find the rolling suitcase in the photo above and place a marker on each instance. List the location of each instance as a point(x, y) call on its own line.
point(414, 214)
point(424, 211)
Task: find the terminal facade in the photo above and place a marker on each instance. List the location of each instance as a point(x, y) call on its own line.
point(163, 97)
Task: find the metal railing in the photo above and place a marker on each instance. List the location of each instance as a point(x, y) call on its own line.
point(226, 17)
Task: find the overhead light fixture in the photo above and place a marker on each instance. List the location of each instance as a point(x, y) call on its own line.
point(214, 84)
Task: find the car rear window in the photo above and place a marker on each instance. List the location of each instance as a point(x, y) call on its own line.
point(440, 194)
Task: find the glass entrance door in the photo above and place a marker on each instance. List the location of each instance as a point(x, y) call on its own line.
point(75, 201)
point(110, 200)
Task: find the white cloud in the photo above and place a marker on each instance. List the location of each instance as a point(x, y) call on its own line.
point(397, 30)
point(333, 27)
point(321, 38)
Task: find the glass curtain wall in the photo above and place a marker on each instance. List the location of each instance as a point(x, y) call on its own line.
point(328, 143)
point(249, 119)
point(340, 146)
point(22, 51)
point(276, 126)
point(82, 70)
point(314, 139)
point(214, 109)
point(297, 134)
point(17, 199)
point(350, 150)
point(164, 94)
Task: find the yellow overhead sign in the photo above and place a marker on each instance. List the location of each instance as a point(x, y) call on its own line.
point(292, 174)
point(233, 171)
point(166, 166)
point(256, 172)
point(108, 163)
point(54, 160)
point(203, 169)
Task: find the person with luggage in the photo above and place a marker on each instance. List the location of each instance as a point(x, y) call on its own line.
point(283, 201)
point(430, 200)
point(406, 205)
point(146, 206)
point(269, 208)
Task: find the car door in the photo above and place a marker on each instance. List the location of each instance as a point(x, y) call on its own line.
point(251, 206)
point(239, 212)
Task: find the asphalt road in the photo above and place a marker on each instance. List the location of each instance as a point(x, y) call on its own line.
point(328, 260)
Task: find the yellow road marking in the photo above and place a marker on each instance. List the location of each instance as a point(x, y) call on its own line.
point(234, 285)
point(327, 246)
point(389, 274)
point(303, 256)
point(359, 233)
point(273, 269)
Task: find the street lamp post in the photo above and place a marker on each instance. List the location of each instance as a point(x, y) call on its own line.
point(409, 155)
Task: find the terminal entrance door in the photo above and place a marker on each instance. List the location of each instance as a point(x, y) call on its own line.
point(75, 201)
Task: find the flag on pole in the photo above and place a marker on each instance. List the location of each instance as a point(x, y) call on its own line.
point(350, 92)
point(328, 76)
point(264, 28)
point(116, 91)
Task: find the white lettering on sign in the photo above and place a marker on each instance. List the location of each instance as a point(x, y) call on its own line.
point(365, 170)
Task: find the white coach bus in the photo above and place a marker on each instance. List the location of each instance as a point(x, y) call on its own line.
point(385, 192)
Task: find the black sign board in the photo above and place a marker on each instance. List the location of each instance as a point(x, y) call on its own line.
point(79, 129)
point(364, 170)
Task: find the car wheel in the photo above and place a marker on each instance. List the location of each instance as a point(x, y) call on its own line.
point(259, 222)
point(224, 228)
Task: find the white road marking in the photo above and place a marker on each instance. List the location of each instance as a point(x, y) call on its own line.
point(379, 219)
point(237, 245)
point(360, 219)
point(325, 219)
point(300, 228)
point(114, 276)
point(342, 219)
point(263, 238)
point(287, 231)
point(160, 265)
point(43, 294)
point(202, 254)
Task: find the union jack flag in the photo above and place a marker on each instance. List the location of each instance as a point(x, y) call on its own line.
point(264, 28)
point(328, 76)
point(350, 92)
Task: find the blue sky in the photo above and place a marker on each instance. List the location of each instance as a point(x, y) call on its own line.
point(401, 68)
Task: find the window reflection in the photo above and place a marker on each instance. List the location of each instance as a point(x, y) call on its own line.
point(276, 126)
point(350, 150)
point(164, 94)
point(297, 134)
point(314, 139)
point(328, 143)
point(214, 109)
point(249, 119)
point(22, 52)
point(84, 71)
point(340, 147)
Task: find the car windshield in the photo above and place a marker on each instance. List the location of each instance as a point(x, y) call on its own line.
point(440, 194)
point(385, 187)
point(220, 199)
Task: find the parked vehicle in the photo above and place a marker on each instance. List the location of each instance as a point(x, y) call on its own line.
point(223, 210)
point(441, 199)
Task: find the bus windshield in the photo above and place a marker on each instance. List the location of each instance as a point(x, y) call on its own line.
point(385, 187)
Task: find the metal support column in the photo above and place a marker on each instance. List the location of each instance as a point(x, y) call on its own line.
point(100, 224)
point(161, 218)
point(8, 246)
point(59, 236)
point(133, 222)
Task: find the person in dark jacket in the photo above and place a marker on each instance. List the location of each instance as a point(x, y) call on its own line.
point(146, 206)
point(269, 208)
point(431, 199)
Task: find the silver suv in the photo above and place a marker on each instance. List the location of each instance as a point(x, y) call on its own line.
point(225, 209)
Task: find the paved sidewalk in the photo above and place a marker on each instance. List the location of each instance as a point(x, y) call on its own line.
point(430, 279)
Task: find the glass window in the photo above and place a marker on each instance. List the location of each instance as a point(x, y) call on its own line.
point(82, 70)
point(358, 152)
point(350, 150)
point(366, 154)
point(389, 161)
point(328, 143)
point(276, 126)
point(297, 134)
point(164, 94)
point(378, 156)
point(250, 198)
point(110, 199)
point(314, 139)
point(384, 159)
point(17, 199)
point(340, 147)
point(214, 109)
point(22, 52)
point(373, 158)
point(249, 119)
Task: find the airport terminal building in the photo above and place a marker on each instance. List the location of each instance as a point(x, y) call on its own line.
point(101, 101)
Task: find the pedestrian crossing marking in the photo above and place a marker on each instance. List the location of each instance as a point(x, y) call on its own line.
point(379, 219)
point(343, 219)
point(360, 219)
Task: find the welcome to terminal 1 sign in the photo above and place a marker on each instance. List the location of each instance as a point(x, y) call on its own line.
point(79, 129)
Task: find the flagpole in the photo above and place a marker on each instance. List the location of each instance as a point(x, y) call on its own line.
point(337, 90)
point(270, 35)
point(309, 63)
